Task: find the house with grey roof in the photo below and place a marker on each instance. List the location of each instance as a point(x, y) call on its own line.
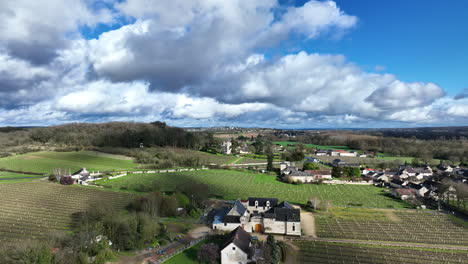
point(237, 248)
point(261, 215)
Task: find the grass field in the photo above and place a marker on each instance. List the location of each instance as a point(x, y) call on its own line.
point(286, 143)
point(9, 177)
point(32, 210)
point(427, 227)
point(324, 252)
point(232, 184)
point(45, 162)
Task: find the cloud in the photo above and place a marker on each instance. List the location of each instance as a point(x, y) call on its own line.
point(200, 62)
point(462, 95)
point(35, 30)
point(199, 40)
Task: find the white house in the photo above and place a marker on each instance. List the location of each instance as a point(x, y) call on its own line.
point(343, 153)
point(227, 147)
point(237, 249)
point(321, 152)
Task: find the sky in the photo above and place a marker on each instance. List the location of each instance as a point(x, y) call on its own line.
point(263, 63)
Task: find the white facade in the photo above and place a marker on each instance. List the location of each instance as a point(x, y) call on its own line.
point(282, 228)
point(232, 254)
point(348, 154)
point(311, 178)
point(225, 226)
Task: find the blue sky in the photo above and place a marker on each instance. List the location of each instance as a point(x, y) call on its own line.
point(360, 63)
point(417, 40)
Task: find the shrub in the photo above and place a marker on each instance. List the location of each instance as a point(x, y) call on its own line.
point(66, 180)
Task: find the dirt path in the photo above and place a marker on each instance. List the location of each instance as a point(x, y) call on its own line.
point(200, 231)
point(236, 160)
point(308, 224)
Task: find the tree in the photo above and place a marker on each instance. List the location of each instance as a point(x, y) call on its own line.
point(208, 253)
point(272, 253)
point(235, 145)
point(270, 157)
point(314, 202)
point(310, 166)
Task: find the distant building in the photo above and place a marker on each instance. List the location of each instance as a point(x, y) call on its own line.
point(227, 147)
point(311, 176)
point(321, 152)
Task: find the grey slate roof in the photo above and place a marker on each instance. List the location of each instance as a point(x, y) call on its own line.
point(238, 209)
point(240, 238)
point(262, 201)
point(284, 212)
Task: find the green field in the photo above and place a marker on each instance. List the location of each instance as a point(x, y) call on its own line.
point(325, 252)
point(232, 184)
point(45, 162)
point(286, 143)
point(32, 210)
point(426, 227)
point(9, 177)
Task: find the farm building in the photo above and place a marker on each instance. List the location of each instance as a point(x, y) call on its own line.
point(261, 215)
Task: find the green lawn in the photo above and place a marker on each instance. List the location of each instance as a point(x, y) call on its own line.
point(404, 159)
point(9, 177)
point(233, 184)
point(45, 162)
point(189, 256)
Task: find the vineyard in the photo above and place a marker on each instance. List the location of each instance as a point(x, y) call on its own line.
point(426, 227)
point(232, 184)
point(32, 210)
point(324, 252)
point(45, 162)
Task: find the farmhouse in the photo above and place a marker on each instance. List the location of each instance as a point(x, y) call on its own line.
point(237, 249)
point(260, 215)
point(309, 176)
point(321, 152)
point(421, 172)
point(344, 153)
point(404, 194)
point(421, 190)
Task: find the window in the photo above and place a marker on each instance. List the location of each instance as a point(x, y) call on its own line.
point(294, 227)
point(233, 248)
point(225, 224)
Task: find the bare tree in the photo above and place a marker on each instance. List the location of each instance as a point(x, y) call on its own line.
point(314, 202)
point(60, 172)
